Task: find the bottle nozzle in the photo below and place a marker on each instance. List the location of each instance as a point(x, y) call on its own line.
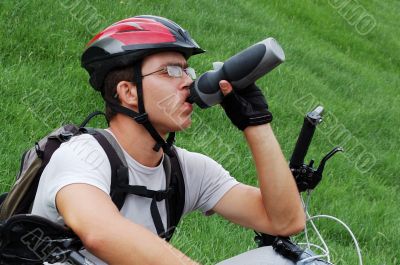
point(190, 99)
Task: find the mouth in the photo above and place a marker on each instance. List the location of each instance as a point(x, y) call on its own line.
point(187, 97)
point(188, 101)
point(188, 106)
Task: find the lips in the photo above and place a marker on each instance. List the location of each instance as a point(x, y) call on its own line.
point(187, 97)
point(188, 105)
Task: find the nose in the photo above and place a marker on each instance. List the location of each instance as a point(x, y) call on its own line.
point(187, 81)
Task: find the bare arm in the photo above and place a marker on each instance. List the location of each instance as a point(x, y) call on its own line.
point(275, 207)
point(91, 214)
point(278, 189)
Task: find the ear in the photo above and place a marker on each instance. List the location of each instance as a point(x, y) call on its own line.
point(127, 94)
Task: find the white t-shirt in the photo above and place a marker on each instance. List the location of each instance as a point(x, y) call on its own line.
point(83, 160)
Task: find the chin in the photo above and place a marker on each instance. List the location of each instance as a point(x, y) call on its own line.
point(176, 123)
point(184, 125)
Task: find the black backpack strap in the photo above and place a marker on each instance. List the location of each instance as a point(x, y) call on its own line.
point(167, 170)
point(155, 197)
point(174, 194)
point(114, 144)
point(119, 169)
point(176, 202)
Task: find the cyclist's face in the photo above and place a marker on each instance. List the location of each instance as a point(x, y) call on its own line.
point(165, 93)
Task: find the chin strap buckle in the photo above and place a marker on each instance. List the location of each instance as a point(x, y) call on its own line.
point(142, 118)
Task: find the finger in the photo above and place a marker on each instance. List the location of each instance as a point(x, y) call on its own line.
point(225, 87)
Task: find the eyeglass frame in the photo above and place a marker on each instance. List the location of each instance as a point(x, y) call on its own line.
point(189, 71)
point(192, 74)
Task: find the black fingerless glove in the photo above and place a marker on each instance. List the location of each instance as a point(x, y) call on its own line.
point(247, 107)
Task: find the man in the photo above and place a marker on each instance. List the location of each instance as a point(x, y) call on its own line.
point(138, 64)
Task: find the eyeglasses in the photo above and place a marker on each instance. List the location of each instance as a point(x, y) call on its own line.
point(175, 71)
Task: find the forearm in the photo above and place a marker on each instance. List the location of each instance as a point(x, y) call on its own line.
point(278, 188)
point(134, 245)
point(91, 214)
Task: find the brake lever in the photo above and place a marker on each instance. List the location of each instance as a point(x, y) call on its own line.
point(307, 178)
point(321, 167)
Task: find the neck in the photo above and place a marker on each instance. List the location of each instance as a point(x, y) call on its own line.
point(136, 140)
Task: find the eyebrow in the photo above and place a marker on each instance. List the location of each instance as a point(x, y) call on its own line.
point(184, 65)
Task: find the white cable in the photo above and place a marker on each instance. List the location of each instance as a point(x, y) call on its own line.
point(305, 206)
point(347, 228)
point(313, 258)
point(314, 246)
point(305, 228)
point(325, 249)
point(310, 219)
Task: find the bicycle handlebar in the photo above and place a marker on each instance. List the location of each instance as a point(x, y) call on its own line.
point(311, 120)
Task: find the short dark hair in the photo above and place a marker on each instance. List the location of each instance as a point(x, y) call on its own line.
point(110, 86)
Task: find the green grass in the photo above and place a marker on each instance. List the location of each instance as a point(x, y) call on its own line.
point(356, 78)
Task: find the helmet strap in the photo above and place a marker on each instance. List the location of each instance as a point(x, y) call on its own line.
point(137, 69)
point(142, 117)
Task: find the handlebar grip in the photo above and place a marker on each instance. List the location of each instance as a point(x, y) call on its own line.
point(302, 144)
point(311, 120)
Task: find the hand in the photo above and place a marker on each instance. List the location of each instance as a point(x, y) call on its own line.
point(247, 107)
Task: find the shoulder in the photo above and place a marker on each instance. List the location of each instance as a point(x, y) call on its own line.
point(188, 157)
point(199, 165)
point(206, 181)
point(79, 158)
point(83, 149)
point(83, 142)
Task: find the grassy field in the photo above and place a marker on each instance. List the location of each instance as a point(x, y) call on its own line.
point(341, 54)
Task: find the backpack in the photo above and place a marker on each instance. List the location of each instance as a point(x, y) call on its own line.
point(20, 198)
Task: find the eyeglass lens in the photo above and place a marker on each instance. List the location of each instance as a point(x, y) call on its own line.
point(177, 71)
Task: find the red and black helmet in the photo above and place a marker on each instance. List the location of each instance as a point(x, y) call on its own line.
point(130, 40)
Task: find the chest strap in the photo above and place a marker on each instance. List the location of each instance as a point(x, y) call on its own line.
point(120, 184)
point(155, 196)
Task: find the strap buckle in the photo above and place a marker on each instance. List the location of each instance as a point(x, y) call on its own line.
point(39, 152)
point(163, 194)
point(142, 118)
